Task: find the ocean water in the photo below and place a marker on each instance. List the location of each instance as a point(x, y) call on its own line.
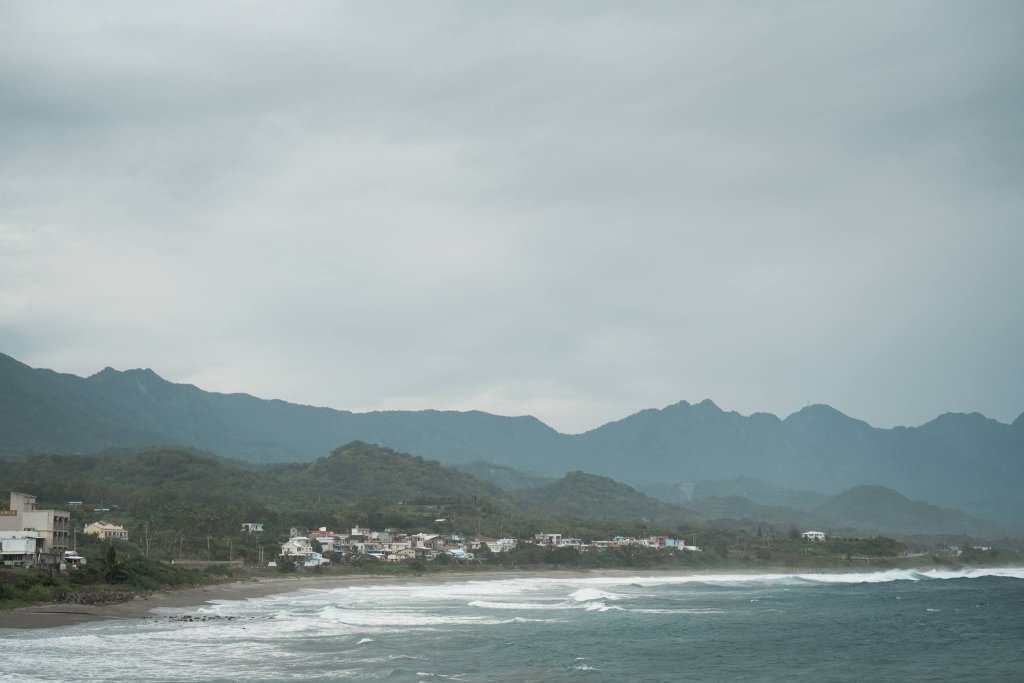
point(888, 626)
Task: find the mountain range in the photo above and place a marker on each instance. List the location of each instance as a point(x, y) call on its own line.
point(966, 461)
point(169, 485)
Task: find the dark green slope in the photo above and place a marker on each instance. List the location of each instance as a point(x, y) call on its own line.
point(172, 484)
point(363, 471)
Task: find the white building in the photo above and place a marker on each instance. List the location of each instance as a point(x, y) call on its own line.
point(73, 559)
point(21, 548)
point(252, 527)
point(547, 539)
point(557, 541)
point(813, 535)
point(315, 559)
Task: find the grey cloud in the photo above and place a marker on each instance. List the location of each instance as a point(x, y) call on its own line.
point(574, 211)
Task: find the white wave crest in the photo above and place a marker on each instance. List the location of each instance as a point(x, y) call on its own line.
point(588, 594)
point(487, 604)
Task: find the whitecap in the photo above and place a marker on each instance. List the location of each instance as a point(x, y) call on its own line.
point(655, 610)
point(588, 594)
point(487, 604)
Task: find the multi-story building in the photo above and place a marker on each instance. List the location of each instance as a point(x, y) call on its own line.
point(53, 525)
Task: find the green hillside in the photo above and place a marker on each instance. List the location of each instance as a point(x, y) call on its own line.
point(365, 471)
point(193, 492)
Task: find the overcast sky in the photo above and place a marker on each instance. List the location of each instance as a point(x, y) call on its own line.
point(569, 210)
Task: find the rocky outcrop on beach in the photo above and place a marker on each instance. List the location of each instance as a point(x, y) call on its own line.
point(90, 596)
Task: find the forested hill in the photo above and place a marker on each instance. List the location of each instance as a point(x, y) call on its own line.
point(964, 461)
point(174, 485)
point(361, 470)
point(175, 489)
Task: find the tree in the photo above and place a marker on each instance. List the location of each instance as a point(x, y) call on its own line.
point(113, 569)
point(484, 552)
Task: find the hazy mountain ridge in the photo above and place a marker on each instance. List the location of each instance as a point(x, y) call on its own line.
point(505, 478)
point(583, 496)
point(964, 461)
point(755, 490)
point(863, 510)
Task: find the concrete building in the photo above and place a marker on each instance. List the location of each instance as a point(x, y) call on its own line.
point(547, 539)
point(53, 525)
point(813, 535)
point(557, 541)
point(21, 548)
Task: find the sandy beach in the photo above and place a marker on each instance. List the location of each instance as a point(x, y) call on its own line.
point(52, 615)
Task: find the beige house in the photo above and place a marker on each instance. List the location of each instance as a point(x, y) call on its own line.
point(297, 546)
point(54, 526)
point(107, 531)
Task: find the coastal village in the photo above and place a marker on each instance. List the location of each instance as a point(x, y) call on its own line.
point(35, 537)
point(315, 547)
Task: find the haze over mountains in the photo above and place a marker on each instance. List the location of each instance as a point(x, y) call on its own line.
point(966, 461)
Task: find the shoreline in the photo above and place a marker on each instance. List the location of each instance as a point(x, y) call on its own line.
point(55, 615)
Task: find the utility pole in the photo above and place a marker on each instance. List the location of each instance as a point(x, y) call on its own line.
point(147, 539)
point(231, 551)
point(181, 542)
